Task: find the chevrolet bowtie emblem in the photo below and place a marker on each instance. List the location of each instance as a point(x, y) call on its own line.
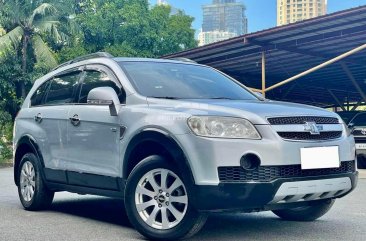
point(312, 128)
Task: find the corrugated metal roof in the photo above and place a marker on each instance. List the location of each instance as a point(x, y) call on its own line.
point(291, 49)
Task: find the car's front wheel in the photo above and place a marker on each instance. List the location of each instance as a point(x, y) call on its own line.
point(306, 213)
point(157, 201)
point(32, 191)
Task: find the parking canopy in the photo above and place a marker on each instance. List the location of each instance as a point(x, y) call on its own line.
point(285, 51)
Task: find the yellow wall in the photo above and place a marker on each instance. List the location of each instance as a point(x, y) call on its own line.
point(290, 11)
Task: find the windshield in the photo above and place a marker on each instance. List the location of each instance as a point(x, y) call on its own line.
point(183, 81)
point(359, 120)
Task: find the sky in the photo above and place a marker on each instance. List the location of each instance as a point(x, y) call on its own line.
point(261, 14)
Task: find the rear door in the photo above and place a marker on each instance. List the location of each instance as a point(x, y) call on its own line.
point(94, 134)
point(50, 111)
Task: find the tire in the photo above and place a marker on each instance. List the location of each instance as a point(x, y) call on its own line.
point(153, 197)
point(361, 161)
point(33, 193)
point(305, 214)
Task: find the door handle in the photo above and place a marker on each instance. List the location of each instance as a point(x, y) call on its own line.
point(75, 121)
point(38, 118)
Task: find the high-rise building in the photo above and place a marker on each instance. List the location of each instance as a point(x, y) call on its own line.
point(291, 11)
point(213, 36)
point(223, 19)
point(226, 16)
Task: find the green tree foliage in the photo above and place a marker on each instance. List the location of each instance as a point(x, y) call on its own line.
point(36, 35)
point(27, 24)
point(131, 28)
point(10, 77)
point(6, 134)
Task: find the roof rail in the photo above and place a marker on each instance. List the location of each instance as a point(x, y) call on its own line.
point(183, 60)
point(86, 57)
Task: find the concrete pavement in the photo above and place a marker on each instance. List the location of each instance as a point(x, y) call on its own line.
point(89, 218)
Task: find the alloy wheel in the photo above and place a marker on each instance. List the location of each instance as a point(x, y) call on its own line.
point(161, 199)
point(27, 181)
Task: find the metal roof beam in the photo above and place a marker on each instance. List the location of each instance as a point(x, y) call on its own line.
point(319, 27)
point(357, 105)
point(325, 64)
point(299, 51)
point(337, 100)
point(353, 80)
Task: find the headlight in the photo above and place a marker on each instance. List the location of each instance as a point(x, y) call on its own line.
point(223, 127)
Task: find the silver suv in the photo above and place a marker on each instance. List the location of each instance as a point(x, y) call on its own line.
point(176, 140)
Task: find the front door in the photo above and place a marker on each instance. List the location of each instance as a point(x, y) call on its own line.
point(93, 134)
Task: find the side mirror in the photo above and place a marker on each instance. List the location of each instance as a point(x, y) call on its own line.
point(104, 96)
point(351, 125)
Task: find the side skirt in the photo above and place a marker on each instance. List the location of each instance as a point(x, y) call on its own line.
point(84, 183)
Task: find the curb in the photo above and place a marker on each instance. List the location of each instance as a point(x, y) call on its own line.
point(362, 173)
point(5, 165)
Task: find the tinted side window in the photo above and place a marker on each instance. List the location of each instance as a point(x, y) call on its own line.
point(94, 79)
point(63, 89)
point(38, 96)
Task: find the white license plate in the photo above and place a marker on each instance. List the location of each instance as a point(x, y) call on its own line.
point(360, 146)
point(320, 157)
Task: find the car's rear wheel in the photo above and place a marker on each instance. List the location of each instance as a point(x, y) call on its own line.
point(33, 193)
point(306, 213)
point(157, 202)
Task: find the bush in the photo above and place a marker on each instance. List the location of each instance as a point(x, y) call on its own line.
point(6, 136)
point(5, 152)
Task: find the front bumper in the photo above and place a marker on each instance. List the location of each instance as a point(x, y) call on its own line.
point(255, 196)
point(206, 155)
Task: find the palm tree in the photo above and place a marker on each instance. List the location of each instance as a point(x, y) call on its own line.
point(29, 22)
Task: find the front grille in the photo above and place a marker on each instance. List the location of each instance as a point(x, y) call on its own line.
point(270, 173)
point(299, 120)
point(358, 133)
point(307, 136)
point(359, 140)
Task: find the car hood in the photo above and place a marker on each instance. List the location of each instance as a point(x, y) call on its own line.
point(255, 111)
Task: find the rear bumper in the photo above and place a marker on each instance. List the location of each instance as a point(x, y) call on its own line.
point(256, 196)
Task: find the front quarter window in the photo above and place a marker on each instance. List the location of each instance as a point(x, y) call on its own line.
point(94, 79)
point(183, 81)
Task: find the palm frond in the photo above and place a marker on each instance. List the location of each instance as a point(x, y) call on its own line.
point(52, 28)
point(46, 26)
point(11, 40)
point(43, 53)
point(42, 10)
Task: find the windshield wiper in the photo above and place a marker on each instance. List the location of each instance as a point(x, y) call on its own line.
point(164, 97)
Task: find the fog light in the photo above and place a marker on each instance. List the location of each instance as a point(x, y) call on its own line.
point(250, 162)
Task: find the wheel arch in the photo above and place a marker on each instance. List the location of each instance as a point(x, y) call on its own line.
point(160, 141)
point(26, 144)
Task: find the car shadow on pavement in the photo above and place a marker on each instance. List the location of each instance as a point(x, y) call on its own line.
point(106, 210)
point(256, 226)
point(218, 226)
